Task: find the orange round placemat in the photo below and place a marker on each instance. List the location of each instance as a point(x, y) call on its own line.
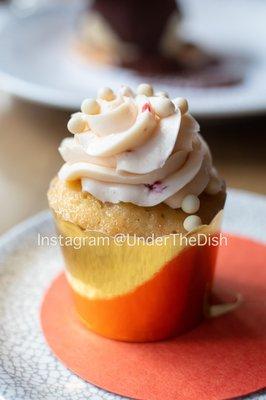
point(222, 358)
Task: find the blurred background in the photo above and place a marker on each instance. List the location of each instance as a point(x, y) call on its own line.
point(55, 53)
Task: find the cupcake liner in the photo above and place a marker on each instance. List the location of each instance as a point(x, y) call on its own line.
point(140, 289)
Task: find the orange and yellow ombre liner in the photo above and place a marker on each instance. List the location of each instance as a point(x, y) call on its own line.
point(141, 292)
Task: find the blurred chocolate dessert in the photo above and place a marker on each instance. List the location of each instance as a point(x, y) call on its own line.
point(137, 34)
point(144, 37)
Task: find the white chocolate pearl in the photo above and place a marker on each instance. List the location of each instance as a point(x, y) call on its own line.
point(126, 91)
point(106, 93)
point(192, 222)
point(190, 204)
point(163, 107)
point(162, 94)
point(76, 125)
point(90, 107)
point(146, 89)
point(214, 186)
point(182, 104)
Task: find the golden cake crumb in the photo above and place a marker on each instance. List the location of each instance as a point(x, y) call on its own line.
point(71, 204)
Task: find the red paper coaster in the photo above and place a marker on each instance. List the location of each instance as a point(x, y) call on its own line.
point(222, 358)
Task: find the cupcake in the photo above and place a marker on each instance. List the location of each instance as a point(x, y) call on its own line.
point(135, 35)
point(138, 203)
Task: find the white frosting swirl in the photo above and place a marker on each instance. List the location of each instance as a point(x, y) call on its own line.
point(139, 149)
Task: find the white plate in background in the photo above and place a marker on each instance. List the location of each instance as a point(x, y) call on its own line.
point(38, 61)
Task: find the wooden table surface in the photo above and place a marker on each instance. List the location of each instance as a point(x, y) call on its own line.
point(30, 135)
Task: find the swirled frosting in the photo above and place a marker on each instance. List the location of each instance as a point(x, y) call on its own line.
point(139, 147)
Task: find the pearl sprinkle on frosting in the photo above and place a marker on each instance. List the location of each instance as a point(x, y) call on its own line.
point(90, 107)
point(126, 91)
point(76, 124)
point(145, 89)
point(190, 204)
point(192, 222)
point(106, 93)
